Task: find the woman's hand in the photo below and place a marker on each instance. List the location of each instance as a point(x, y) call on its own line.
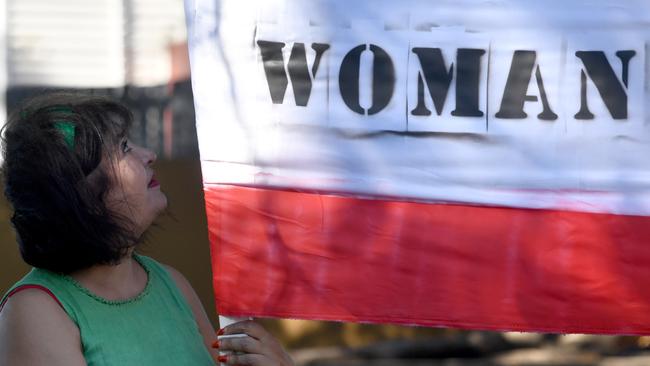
point(260, 348)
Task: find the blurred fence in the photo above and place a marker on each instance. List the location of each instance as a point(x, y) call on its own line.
point(132, 50)
point(163, 115)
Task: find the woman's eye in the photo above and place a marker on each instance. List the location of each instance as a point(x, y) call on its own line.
point(125, 146)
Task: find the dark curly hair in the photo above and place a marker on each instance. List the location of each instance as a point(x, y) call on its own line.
point(56, 185)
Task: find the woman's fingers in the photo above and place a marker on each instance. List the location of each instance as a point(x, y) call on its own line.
point(254, 346)
point(248, 360)
point(246, 327)
point(244, 344)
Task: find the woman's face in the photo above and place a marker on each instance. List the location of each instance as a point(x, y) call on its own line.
point(135, 193)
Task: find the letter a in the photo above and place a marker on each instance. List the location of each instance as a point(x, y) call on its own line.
point(515, 93)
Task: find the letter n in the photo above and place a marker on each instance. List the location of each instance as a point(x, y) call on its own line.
point(600, 71)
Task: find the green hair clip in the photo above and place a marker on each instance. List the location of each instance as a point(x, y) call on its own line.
point(67, 129)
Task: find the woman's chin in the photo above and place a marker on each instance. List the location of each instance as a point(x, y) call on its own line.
point(159, 202)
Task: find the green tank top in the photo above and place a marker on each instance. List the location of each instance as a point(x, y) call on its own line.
point(155, 328)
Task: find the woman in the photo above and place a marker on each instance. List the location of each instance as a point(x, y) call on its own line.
point(83, 197)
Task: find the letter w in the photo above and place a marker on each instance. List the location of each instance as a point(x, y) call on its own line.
point(301, 79)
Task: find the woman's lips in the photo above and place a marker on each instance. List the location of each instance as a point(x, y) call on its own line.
point(153, 183)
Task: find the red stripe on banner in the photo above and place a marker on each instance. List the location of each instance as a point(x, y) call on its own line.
point(317, 256)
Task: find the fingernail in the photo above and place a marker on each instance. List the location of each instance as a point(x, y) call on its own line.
point(215, 344)
point(221, 331)
point(222, 359)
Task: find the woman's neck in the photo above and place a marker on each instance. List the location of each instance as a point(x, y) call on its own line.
point(117, 282)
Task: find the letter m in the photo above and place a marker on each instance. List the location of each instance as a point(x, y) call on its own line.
point(299, 73)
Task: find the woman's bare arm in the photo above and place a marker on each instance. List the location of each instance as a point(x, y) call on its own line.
point(260, 348)
point(36, 331)
point(205, 326)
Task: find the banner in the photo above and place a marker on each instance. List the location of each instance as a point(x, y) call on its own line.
point(460, 163)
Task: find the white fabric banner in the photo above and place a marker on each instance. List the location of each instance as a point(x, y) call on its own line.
point(519, 103)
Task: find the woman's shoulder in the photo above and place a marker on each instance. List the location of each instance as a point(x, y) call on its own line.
point(33, 317)
point(176, 276)
point(38, 281)
point(30, 303)
point(180, 280)
point(34, 294)
point(30, 295)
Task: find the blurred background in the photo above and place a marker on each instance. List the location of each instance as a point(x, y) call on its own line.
point(136, 51)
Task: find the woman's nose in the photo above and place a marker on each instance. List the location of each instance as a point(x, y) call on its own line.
point(152, 157)
point(148, 156)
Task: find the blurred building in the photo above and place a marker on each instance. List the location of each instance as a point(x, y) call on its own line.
point(133, 50)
